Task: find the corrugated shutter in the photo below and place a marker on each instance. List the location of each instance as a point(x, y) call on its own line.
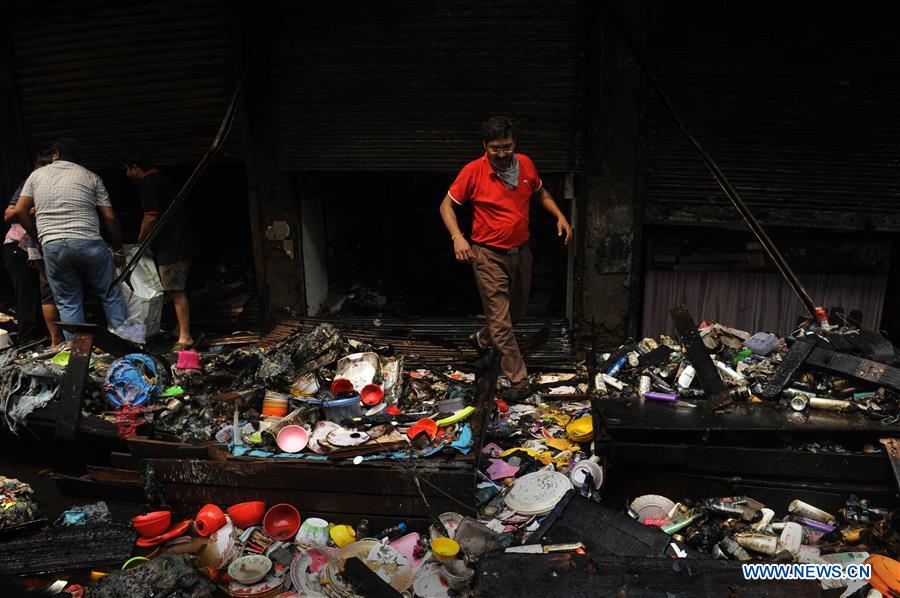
point(114, 75)
point(405, 85)
point(796, 102)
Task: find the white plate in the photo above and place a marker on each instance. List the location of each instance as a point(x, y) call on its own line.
point(342, 437)
point(537, 493)
point(652, 506)
point(384, 561)
point(428, 584)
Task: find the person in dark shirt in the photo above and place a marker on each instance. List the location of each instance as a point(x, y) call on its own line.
point(25, 266)
point(175, 246)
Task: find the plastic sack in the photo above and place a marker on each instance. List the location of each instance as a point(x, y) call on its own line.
point(132, 380)
point(144, 300)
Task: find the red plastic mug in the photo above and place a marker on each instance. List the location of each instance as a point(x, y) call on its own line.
point(209, 520)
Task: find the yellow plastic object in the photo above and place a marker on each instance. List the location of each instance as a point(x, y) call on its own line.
point(581, 429)
point(508, 452)
point(342, 535)
point(98, 575)
point(444, 549)
point(456, 417)
point(561, 444)
point(132, 561)
point(885, 574)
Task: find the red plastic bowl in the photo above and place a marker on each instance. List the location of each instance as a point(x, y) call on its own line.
point(245, 514)
point(371, 394)
point(152, 524)
point(282, 521)
point(429, 425)
point(341, 385)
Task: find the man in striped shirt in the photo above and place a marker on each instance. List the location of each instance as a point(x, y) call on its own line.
point(67, 198)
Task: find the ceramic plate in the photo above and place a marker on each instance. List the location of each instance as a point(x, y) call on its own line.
point(320, 432)
point(387, 563)
point(537, 493)
point(652, 506)
point(344, 437)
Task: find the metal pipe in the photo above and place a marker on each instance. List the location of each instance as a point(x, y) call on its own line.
point(164, 218)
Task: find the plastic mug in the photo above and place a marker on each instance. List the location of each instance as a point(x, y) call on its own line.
point(313, 532)
point(209, 520)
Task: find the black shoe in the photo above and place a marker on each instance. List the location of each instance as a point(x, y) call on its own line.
point(473, 342)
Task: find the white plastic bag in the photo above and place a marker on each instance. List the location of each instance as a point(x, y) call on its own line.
point(144, 299)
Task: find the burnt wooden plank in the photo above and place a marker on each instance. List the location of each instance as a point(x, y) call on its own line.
point(71, 391)
point(625, 419)
point(145, 448)
point(113, 474)
point(786, 369)
point(603, 530)
point(309, 500)
point(716, 393)
point(797, 464)
point(892, 447)
point(484, 405)
point(365, 478)
point(65, 548)
point(80, 487)
point(122, 460)
point(855, 367)
point(774, 493)
point(366, 582)
point(516, 575)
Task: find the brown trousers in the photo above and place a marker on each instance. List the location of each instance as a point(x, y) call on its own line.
point(504, 281)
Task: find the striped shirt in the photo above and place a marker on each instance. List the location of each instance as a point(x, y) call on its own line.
point(66, 196)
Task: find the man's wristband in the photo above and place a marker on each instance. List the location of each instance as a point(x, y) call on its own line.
point(453, 238)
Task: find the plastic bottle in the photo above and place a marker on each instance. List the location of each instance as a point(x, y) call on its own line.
point(617, 366)
point(362, 530)
point(687, 376)
point(395, 531)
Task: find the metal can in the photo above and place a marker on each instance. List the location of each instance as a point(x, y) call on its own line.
point(799, 402)
point(829, 404)
point(756, 542)
point(644, 385)
point(798, 507)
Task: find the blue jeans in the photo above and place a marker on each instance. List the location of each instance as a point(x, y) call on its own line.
point(68, 261)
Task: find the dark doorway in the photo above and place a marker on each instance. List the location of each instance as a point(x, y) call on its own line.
point(385, 239)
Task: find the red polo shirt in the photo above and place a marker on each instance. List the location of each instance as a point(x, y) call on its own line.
point(500, 215)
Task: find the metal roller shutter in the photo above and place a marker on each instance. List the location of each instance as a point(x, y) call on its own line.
point(404, 85)
point(114, 75)
point(797, 103)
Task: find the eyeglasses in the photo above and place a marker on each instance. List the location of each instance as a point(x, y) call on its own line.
point(497, 149)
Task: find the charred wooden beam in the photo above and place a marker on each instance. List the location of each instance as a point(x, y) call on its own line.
point(855, 367)
point(716, 393)
point(786, 369)
point(514, 575)
point(892, 446)
point(71, 390)
point(65, 548)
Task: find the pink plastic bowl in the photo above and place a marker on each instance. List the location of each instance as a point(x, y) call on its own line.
point(188, 360)
point(292, 439)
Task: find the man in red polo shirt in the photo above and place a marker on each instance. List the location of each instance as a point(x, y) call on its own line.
point(500, 185)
